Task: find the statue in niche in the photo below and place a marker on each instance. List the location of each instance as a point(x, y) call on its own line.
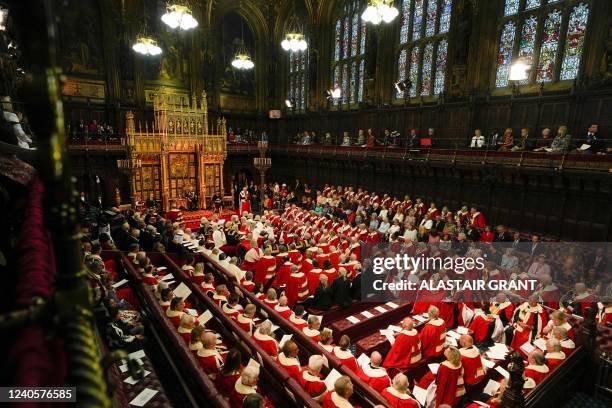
point(178, 126)
point(170, 126)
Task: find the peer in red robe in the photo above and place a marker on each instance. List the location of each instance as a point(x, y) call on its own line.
point(503, 308)
point(473, 371)
point(313, 279)
point(529, 319)
point(482, 325)
point(290, 363)
point(282, 276)
point(373, 374)
point(554, 359)
point(313, 384)
point(210, 359)
point(406, 350)
point(433, 336)
point(245, 201)
point(339, 396)
point(477, 219)
point(282, 309)
point(449, 379)
point(297, 287)
point(342, 352)
point(399, 399)
point(245, 321)
point(264, 269)
point(536, 369)
point(263, 337)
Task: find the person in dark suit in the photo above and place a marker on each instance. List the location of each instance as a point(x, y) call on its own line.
point(518, 244)
point(341, 289)
point(536, 248)
point(598, 261)
point(502, 235)
point(591, 139)
point(323, 296)
point(356, 284)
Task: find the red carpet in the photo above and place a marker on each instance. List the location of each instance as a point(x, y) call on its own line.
point(192, 218)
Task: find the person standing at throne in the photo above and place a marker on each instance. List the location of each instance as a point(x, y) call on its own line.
point(245, 201)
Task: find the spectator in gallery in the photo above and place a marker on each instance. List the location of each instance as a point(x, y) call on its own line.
point(545, 142)
point(507, 141)
point(371, 138)
point(361, 140)
point(478, 140)
point(525, 142)
point(92, 128)
point(231, 137)
point(306, 140)
point(561, 142)
point(413, 139)
point(346, 139)
point(591, 143)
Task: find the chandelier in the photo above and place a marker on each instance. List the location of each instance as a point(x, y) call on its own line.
point(242, 59)
point(179, 16)
point(380, 10)
point(146, 45)
point(294, 41)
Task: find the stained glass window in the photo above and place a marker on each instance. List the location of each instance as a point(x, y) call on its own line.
point(414, 70)
point(432, 14)
point(417, 19)
point(349, 52)
point(538, 25)
point(404, 21)
point(445, 16)
point(512, 7)
point(401, 67)
point(504, 57)
point(440, 67)
point(574, 42)
point(426, 71)
point(548, 49)
point(527, 40)
point(298, 65)
point(429, 22)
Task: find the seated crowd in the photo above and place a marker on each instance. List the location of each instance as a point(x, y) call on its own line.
point(308, 258)
point(590, 142)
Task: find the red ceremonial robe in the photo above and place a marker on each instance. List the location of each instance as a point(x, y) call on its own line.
point(405, 352)
point(313, 385)
point(480, 326)
point(313, 279)
point(175, 316)
point(536, 372)
point(432, 338)
point(225, 383)
point(246, 323)
point(264, 269)
point(471, 361)
point(531, 316)
point(331, 275)
point(333, 400)
point(291, 366)
point(449, 381)
point(282, 277)
point(345, 357)
point(185, 334)
point(297, 288)
point(399, 400)
point(298, 322)
point(267, 343)
point(284, 311)
point(211, 361)
point(313, 334)
point(553, 360)
point(376, 377)
point(230, 311)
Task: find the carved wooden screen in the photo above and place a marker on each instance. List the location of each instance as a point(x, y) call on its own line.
point(147, 181)
point(182, 169)
point(212, 175)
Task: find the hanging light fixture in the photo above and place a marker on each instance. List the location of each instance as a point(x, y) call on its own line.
point(242, 59)
point(146, 46)
point(295, 40)
point(178, 15)
point(380, 10)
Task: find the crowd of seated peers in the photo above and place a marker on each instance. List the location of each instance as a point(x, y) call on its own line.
point(589, 141)
point(304, 258)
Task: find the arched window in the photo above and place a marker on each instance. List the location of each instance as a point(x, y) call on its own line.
point(297, 89)
point(548, 34)
point(423, 46)
point(348, 65)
